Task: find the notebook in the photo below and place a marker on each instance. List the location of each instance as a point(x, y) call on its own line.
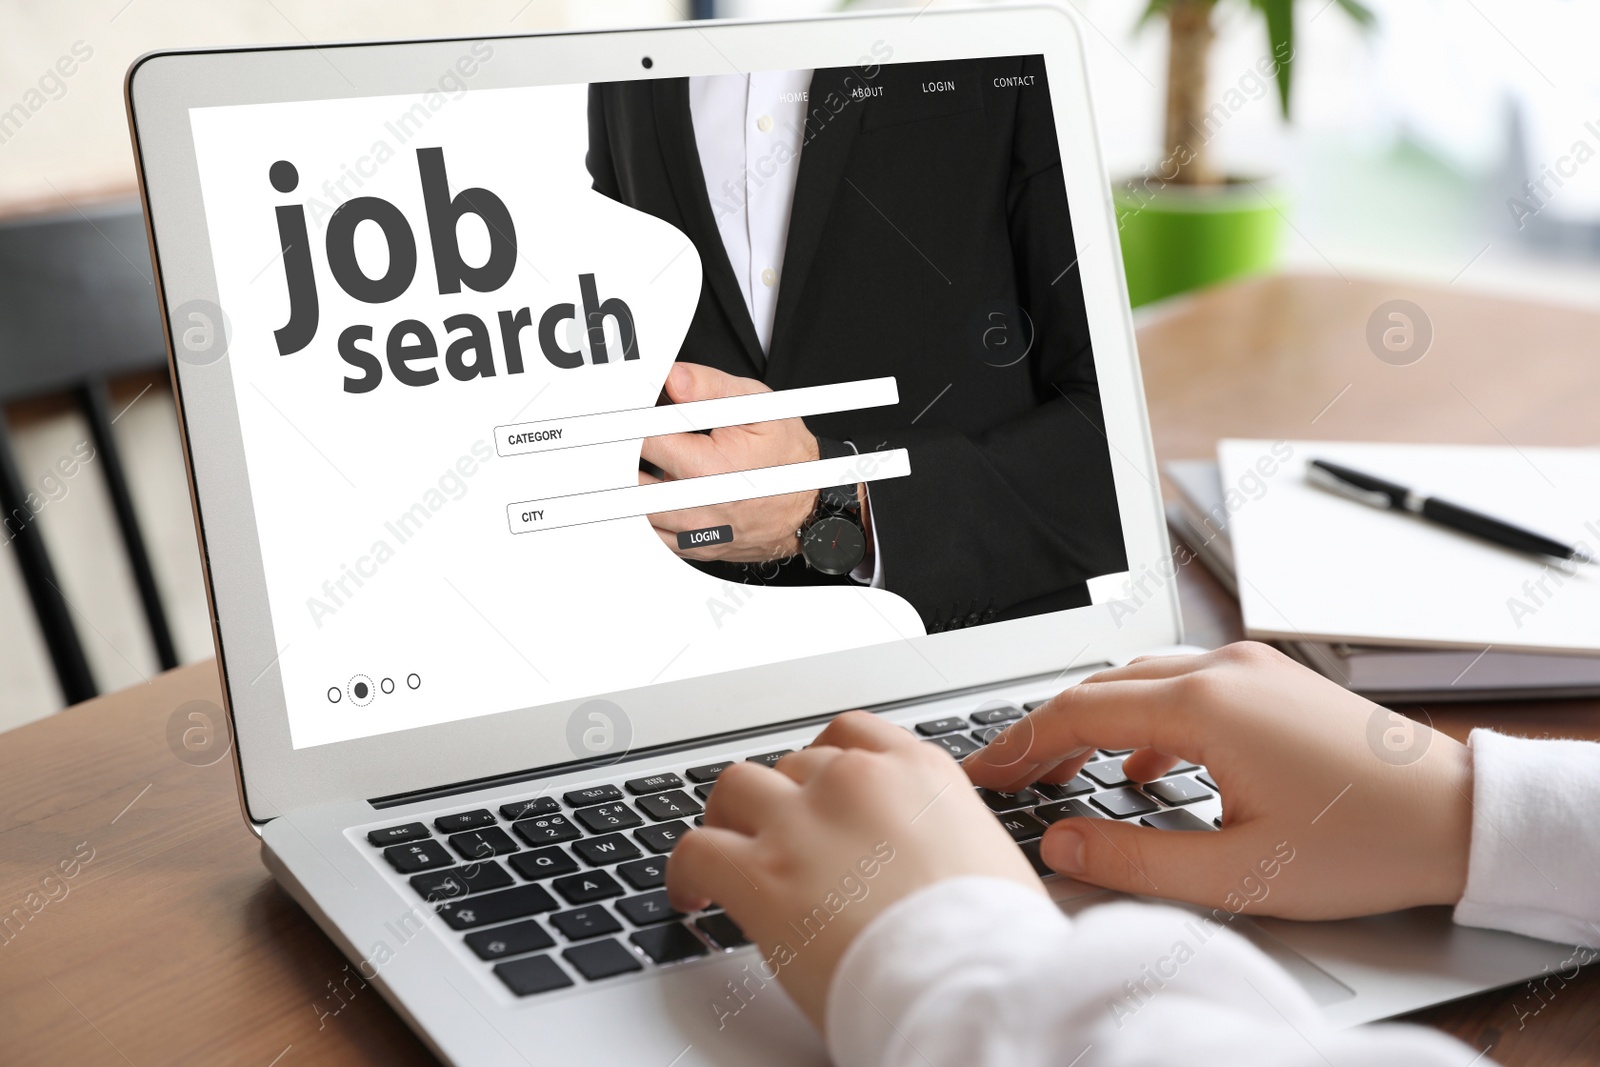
point(1201, 512)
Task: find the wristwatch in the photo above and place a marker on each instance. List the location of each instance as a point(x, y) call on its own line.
point(832, 540)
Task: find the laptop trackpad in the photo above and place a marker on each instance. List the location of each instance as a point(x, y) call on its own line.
point(1074, 897)
point(1324, 988)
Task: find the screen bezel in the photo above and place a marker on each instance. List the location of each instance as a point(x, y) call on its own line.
point(275, 777)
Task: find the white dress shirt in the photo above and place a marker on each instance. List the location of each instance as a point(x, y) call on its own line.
point(979, 971)
point(749, 130)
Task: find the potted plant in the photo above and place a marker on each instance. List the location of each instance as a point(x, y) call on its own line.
point(1184, 224)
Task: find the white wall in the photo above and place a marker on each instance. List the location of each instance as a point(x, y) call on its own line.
point(73, 142)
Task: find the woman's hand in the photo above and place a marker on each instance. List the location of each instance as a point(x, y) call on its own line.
point(803, 856)
point(1375, 810)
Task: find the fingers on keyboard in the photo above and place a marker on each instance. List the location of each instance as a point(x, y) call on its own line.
point(613, 842)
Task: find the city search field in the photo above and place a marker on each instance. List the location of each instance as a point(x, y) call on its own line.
point(604, 505)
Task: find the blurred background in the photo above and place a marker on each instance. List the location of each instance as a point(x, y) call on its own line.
point(1451, 142)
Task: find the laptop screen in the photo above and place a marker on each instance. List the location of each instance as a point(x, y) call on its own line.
point(556, 391)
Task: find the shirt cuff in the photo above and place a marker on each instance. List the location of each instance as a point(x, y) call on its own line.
point(1532, 867)
point(869, 572)
point(887, 967)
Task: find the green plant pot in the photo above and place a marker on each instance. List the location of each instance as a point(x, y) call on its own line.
point(1177, 238)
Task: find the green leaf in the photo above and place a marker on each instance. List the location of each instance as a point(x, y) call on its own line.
point(1279, 15)
point(1280, 39)
point(1359, 12)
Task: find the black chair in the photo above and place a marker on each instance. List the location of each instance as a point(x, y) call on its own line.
point(77, 308)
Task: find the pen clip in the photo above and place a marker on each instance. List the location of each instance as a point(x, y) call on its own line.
point(1326, 479)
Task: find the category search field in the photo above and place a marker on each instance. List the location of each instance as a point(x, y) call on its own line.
point(604, 505)
point(630, 424)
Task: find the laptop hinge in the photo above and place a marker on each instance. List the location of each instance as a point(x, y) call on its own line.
point(440, 792)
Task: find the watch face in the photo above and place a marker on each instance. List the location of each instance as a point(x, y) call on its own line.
point(834, 545)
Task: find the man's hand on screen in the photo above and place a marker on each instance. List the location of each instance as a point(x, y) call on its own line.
point(764, 528)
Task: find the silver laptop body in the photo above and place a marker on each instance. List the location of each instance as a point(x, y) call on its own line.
point(391, 709)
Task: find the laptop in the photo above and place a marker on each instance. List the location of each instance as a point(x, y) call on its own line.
point(487, 637)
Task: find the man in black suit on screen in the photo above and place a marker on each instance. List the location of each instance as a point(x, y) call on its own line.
point(927, 238)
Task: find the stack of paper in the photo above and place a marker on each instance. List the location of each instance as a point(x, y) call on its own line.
point(1391, 605)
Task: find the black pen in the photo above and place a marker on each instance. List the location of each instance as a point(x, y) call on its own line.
point(1383, 494)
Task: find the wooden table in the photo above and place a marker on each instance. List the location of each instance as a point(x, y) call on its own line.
point(1287, 358)
point(172, 944)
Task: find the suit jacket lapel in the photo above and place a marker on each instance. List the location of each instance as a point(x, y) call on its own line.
point(822, 163)
point(675, 128)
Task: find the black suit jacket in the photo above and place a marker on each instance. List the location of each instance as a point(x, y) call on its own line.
point(921, 223)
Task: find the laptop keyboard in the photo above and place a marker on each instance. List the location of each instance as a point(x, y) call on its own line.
point(554, 892)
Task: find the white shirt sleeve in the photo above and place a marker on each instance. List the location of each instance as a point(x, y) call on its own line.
point(1535, 863)
point(980, 971)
